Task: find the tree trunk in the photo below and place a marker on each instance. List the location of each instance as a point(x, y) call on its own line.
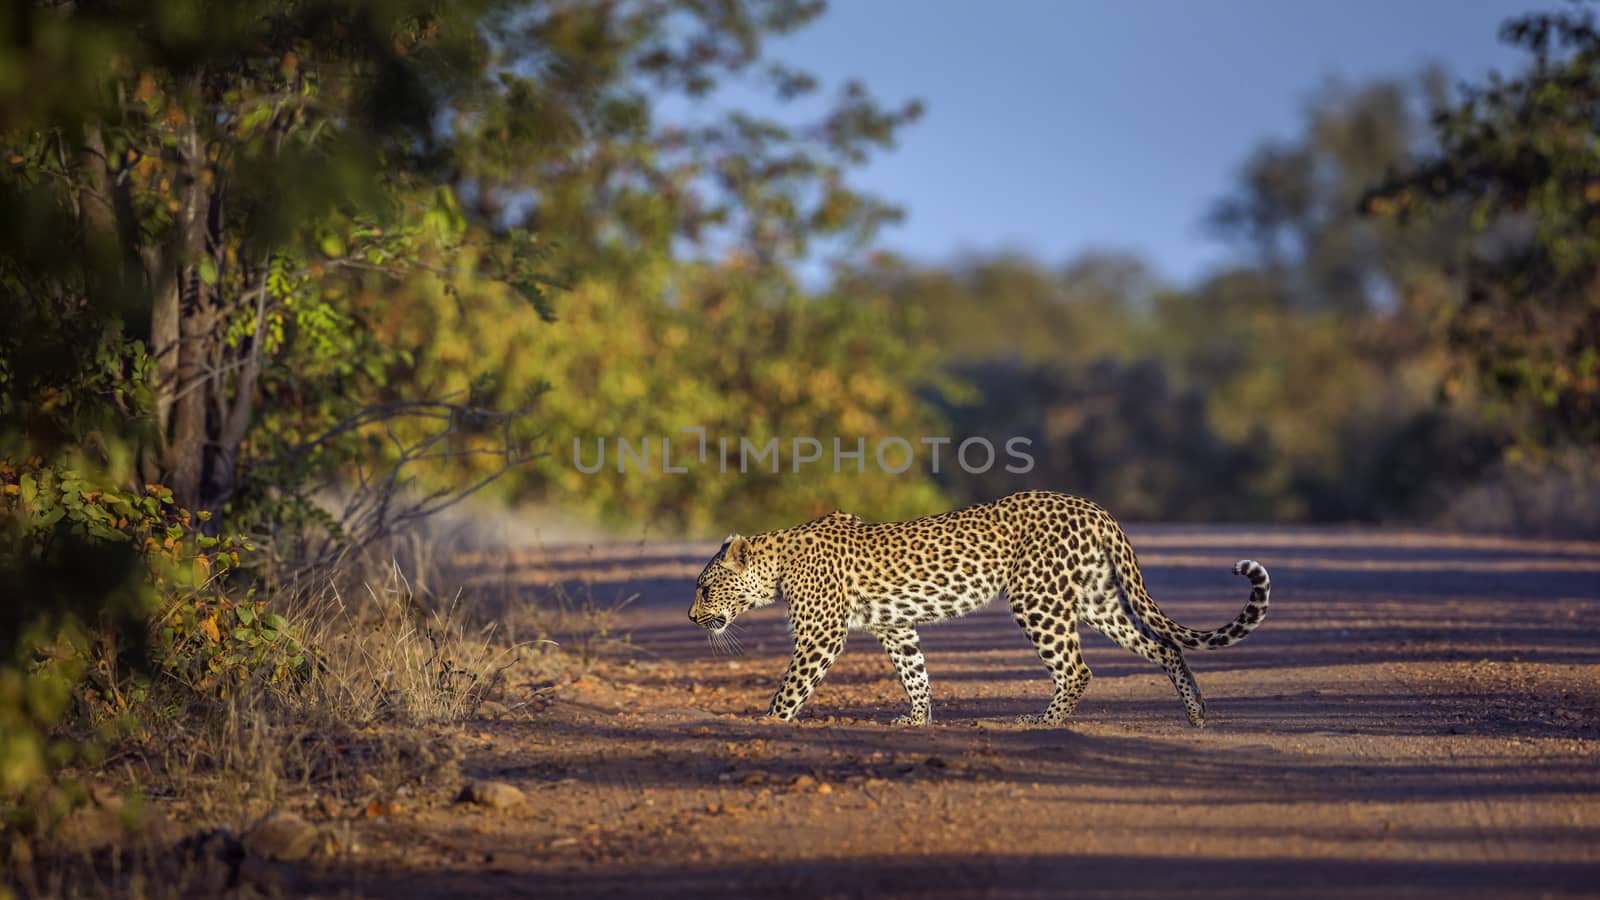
point(237, 417)
point(166, 311)
point(95, 209)
point(188, 391)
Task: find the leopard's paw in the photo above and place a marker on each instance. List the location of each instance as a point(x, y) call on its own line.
point(1031, 719)
point(910, 719)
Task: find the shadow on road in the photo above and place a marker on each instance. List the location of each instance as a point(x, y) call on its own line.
point(1026, 876)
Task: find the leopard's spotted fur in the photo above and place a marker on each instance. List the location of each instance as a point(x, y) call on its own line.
point(1060, 560)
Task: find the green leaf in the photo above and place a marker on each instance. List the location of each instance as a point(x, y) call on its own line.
point(255, 118)
point(208, 272)
point(30, 488)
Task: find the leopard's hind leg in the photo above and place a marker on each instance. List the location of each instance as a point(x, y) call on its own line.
point(900, 642)
point(1105, 612)
point(1051, 623)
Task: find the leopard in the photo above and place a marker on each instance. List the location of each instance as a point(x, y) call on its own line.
point(1062, 562)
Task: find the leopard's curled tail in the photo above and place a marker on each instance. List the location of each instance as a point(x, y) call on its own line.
point(1249, 619)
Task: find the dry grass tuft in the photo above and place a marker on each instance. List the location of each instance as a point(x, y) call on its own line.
point(392, 652)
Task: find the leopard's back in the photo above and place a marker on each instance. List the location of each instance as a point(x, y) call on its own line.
point(947, 565)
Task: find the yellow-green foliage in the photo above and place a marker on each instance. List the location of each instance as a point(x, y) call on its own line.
point(1303, 383)
point(696, 345)
point(1517, 159)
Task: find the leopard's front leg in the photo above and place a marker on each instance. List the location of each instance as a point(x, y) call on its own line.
point(815, 649)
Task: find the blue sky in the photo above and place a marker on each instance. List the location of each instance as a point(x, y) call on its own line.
point(1059, 127)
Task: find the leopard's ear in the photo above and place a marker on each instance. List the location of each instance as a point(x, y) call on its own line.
point(736, 553)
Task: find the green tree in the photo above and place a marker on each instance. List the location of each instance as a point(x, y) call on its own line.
point(199, 205)
point(255, 185)
point(685, 346)
point(1009, 305)
point(1300, 383)
point(1295, 211)
point(1518, 155)
point(215, 219)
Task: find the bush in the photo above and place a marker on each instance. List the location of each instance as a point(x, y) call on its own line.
point(112, 591)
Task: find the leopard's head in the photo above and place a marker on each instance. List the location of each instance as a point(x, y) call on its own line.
point(736, 579)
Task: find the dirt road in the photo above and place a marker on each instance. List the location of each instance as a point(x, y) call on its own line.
point(1418, 717)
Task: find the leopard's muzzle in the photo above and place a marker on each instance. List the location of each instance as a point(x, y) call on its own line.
point(710, 623)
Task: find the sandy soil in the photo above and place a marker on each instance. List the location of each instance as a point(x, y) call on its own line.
point(1418, 717)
